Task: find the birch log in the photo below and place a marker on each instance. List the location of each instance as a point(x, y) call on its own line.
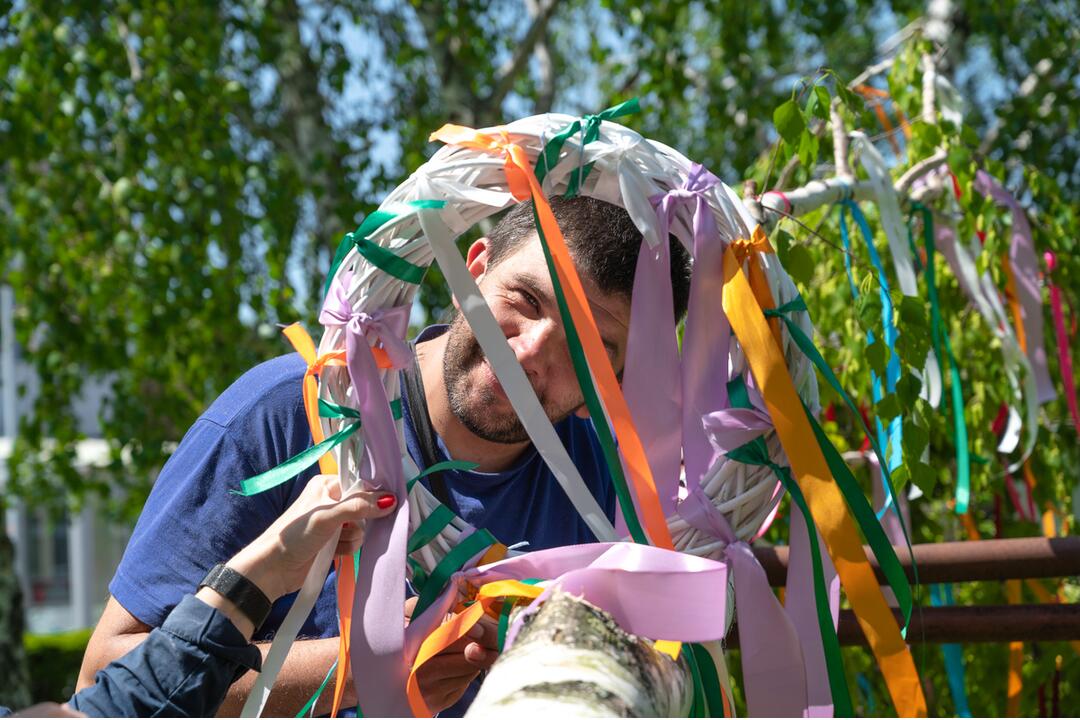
point(571, 659)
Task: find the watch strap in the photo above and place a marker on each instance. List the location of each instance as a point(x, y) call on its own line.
point(244, 594)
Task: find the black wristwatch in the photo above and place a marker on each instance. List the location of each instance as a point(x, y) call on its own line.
point(243, 593)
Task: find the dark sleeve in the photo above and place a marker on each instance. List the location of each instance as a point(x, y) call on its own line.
point(182, 669)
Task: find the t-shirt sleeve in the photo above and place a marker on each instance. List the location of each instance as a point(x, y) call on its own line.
point(192, 521)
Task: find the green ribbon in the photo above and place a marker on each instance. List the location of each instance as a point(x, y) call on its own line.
point(433, 524)
point(589, 127)
point(295, 465)
point(454, 560)
point(698, 705)
point(806, 345)
point(710, 680)
point(504, 615)
point(318, 693)
point(382, 258)
point(592, 399)
point(419, 574)
point(868, 522)
point(756, 452)
point(303, 460)
point(331, 410)
point(941, 341)
point(439, 467)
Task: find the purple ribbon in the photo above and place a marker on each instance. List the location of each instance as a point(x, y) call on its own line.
point(774, 671)
point(707, 337)
point(1026, 272)
point(801, 606)
point(634, 583)
point(651, 377)
point(378, 631)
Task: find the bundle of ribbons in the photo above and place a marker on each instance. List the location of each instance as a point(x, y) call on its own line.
point(739, 395)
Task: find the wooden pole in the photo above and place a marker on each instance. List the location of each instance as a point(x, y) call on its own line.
point(966, 561)
point(978, 624)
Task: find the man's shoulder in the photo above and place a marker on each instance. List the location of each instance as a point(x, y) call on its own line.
point(271, 387)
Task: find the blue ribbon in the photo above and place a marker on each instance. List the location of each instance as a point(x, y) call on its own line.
point(893, 439)
point(941, 595)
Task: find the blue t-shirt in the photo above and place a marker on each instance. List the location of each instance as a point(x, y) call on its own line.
point(191, 521)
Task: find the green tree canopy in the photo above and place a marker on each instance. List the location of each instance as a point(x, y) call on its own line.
point(175, 176)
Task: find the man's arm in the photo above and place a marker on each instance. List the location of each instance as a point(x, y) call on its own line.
point(118, 632)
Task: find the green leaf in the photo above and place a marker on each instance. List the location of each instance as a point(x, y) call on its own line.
point(887, 407)
point(877, 356)
point(808, 150)
point(907, 389)
point(800, 264)
point(782, 241)
point(924, 476)
point(821, 107)
point(916, 438)
point(789, 122)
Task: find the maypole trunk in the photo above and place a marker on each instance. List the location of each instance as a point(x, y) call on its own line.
point(572, 659)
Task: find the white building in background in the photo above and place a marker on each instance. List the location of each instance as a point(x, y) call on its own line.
point(64, 565)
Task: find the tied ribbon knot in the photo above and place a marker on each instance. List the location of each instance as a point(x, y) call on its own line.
point(589, 128)
point(774, 669)
point(373, 640)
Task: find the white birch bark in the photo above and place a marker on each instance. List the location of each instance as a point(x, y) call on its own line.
point(572, 660)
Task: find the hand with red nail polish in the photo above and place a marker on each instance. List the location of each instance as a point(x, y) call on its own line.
point(278, 560)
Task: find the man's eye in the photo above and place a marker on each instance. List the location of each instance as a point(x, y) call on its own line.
point(530, 299)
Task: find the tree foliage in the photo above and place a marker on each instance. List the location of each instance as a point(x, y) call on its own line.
point(174, 178)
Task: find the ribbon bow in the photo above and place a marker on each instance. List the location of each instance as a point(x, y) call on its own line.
point(773, 668)
point(652, 383)
point(589, 127)
point(377, 637)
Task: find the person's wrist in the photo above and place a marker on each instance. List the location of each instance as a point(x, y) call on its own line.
point(227, 608)
point(257, 565)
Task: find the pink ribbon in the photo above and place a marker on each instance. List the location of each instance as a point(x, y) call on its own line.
point(707, 338)
point(651, 377)
point(774, 670)
point(378, 631)
point(632, 582)
point(1025, 269)
point(1062, 337)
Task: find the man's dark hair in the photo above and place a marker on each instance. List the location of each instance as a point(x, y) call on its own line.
point(602, 239)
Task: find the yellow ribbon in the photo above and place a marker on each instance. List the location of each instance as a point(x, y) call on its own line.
point(827, 505)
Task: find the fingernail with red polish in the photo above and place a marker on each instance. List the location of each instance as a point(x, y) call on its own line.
point(386, 501)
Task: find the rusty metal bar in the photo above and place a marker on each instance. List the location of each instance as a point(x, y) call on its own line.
point(979, 624)
point(1014, 558)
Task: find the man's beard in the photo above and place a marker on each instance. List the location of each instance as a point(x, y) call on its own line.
point(473, 405)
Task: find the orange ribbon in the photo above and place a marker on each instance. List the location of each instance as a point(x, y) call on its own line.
point(458, 627)
point(346, 581)
point(522, 183)
point(766, 361)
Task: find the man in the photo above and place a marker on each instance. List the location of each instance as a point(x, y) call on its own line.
point(192, 521)
point(185, 667)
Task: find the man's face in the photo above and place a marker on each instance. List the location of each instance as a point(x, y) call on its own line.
point(518, 289)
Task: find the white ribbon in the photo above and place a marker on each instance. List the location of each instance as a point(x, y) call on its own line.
point(511, 376)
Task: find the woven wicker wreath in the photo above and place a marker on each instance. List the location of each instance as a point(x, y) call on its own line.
point(460, 186)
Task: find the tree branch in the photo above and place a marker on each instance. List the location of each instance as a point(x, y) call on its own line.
point(545, 96)
point(132, 56)
point(504, 78)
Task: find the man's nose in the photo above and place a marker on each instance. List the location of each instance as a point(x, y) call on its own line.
point(534, 346)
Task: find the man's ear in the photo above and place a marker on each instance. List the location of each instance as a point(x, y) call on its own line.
point(476, 259)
